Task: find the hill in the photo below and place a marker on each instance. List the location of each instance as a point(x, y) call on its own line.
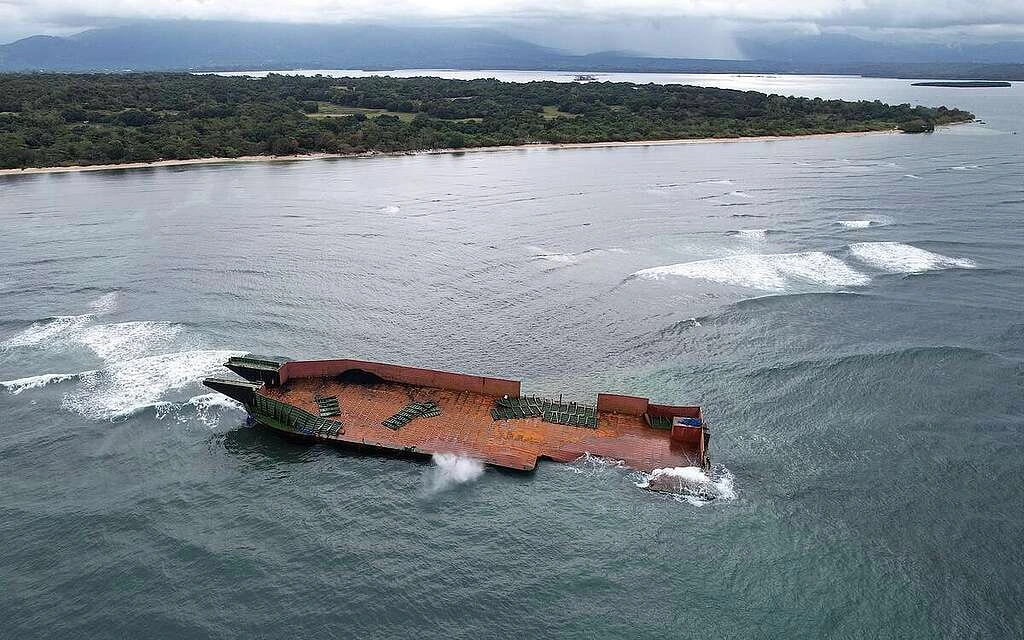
point(215, 46)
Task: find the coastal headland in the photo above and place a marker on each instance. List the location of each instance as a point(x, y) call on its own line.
point(70, 122)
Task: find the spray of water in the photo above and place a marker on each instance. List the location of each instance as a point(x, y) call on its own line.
point(451, 470)
point(690, 484)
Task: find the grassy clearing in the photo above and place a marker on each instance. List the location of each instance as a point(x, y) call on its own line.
point(329, 110)
point(551, 112)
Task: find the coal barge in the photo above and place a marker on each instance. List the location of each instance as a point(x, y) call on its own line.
point(409, 411)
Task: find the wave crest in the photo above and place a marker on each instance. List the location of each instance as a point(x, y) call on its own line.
point(43, 331)
point(896, 257)
point(769, 272)
point(127, 387)
point(34, 382)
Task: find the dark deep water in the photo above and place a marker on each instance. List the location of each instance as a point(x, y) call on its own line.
point(850, 312)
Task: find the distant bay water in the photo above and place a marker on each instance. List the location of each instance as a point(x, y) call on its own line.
point(891, 90)
point(849, 311)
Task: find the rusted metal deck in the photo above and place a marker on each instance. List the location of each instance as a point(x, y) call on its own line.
point(362, 396)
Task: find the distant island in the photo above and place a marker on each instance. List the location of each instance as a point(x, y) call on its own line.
point(53, 120)
point(963, 83)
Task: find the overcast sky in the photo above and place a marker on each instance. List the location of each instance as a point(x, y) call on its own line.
point(666, 27)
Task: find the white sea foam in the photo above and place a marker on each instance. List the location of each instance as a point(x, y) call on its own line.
point(207, 408)
point(34, 382)
point(717, 182)
point(589, 464)
point(105, 303)
point(690, 484)
point(911, 176)
point(572, 258)
point(213, 400)
point(126, 387)
point(44, 331)
point(769, 272)
point(391, 209)
point(742, 194)
point(451, 470)
point(751, 234)
point(128, 340)
point(561, 258)
point(855, 224)
point(966, 167)
point(897, 257)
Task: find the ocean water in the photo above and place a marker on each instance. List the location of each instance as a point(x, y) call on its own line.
point(849, 311)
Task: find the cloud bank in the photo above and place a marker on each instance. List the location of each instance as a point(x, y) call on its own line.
point(923, 19)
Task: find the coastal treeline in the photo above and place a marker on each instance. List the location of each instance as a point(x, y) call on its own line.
point(59, 119)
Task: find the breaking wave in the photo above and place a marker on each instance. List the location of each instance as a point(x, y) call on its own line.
point(750, 234)
point(207, 408)
point(786, 271)
point(127, 387)
point(855, 224)
point(876, 221)
point(34, 382)
point(143, 361)
point(128, 340)
point(690, 484)
point(44, 331)
point(105, 303)
point(769, 272)
point(896, 257)
point(451, 470)
point(572, 258)
point(561, 258)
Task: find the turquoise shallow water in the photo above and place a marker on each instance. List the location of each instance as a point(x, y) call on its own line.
point(848, 311)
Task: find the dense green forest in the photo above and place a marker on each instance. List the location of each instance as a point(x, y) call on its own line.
point(57, 119)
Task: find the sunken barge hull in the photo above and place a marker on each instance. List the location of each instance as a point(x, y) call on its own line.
point(400, 410)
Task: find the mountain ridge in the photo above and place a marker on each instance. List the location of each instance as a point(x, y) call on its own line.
point(183, 45)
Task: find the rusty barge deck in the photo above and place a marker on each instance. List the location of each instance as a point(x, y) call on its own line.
point(407, 410)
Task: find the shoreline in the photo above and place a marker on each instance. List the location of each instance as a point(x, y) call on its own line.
point(375, 154)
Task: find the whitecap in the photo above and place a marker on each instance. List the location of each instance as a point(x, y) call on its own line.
point(391, 209)
point(750, 234)
point(128, 340)
point(897, 257)
point(741, 194)
point(573, 258)
point(45, 331)
point(911, 176)
point(855, 224)
point(34, 382)
point(965, 167)
point(105, 303)
point(769, 272)
point(207, 408)
point(124, 388)
point(561, 258)
point(726, 181)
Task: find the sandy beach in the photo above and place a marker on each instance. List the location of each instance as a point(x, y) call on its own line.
point(373, 154)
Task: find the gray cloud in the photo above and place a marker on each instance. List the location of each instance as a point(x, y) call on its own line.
point(665, 27)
